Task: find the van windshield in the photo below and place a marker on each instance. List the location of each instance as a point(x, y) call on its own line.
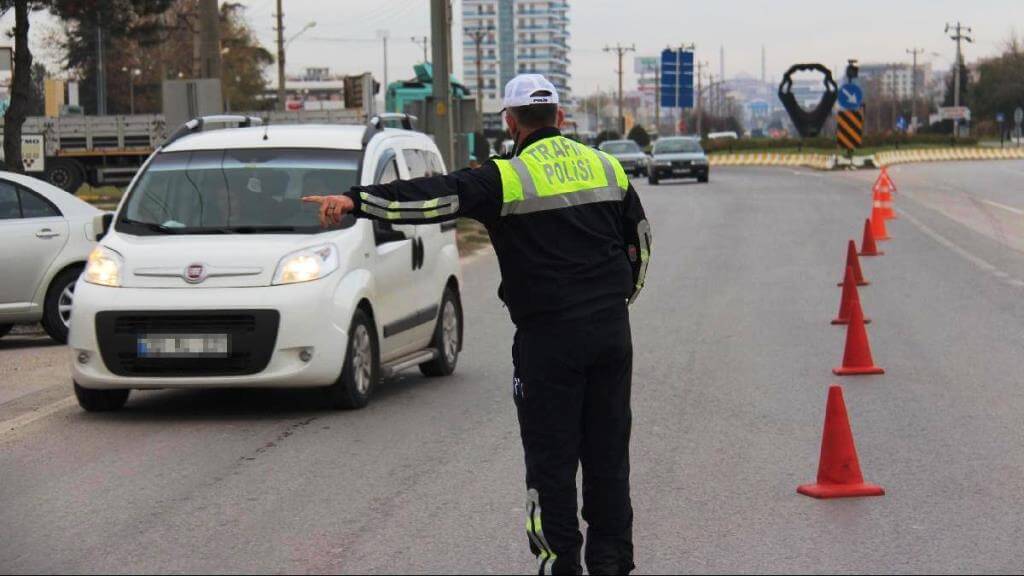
point(236, 191)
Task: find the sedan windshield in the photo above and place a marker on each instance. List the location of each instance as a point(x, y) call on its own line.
point(677, 146)
point(236, 191)
point(628, 147)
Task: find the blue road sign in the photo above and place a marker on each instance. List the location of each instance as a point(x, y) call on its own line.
point(1000, 117)
point(677, 79)
point(851, 97)
point(901, 124)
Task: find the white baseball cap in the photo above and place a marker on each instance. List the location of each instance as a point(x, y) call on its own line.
point(529, 89)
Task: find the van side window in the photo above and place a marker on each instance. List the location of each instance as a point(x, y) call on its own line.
point(435, 166)
point(416, 162)
point(387, 169)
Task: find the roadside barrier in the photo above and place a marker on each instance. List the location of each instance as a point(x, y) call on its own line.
point(839, 474)
point(881, 159)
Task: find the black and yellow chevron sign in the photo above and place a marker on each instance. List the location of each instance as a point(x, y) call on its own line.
point(850, 129)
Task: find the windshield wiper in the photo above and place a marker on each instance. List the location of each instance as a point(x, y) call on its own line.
point(153, 226)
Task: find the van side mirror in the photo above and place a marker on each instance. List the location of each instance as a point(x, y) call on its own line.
point(101, 225)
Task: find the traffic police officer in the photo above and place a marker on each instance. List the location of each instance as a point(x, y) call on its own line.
point(573, 246)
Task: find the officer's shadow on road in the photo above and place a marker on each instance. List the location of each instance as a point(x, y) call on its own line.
point(248, 404)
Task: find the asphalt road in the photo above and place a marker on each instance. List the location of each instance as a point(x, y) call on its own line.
point(733, 359)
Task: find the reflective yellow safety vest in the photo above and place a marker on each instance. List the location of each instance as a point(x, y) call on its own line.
point(558, 173)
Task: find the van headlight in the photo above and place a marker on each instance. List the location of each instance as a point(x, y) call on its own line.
point(306, 265)
point(104, 267)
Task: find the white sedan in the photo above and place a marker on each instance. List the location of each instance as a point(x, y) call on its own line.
point(46, 235)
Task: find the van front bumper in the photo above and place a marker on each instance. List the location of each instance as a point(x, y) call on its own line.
point(282, 336)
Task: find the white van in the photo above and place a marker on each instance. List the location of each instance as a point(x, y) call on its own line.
point(214, 274)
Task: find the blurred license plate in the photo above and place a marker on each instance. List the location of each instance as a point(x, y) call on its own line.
point(183, 346)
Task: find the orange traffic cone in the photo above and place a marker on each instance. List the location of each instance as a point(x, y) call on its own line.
point(868, 246)
point(882, 197)
point(878, 225)
point(850, 299)
point(857, 356)
point(839, 474)
point(853, 262)
point(884, 176)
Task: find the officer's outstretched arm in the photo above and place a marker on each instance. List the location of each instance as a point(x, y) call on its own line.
point(637, 232)
point(474, 193)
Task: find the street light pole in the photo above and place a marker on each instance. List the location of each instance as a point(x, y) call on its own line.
point(478, 35)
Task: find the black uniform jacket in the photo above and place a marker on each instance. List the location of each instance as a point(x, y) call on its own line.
point(563, 263)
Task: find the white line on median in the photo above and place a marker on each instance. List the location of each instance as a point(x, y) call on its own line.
point(13, 424)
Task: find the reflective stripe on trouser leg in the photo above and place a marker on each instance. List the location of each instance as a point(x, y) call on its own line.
point(535, 531)
point(644, 237)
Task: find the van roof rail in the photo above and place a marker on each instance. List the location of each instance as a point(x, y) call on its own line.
point(376, 123)
point(198, 124)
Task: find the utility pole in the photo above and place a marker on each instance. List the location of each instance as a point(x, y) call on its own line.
point(915, 52)
point(209, 39)
point(440, 31)
point(621, 50)
point(657, 98)
point(479, 35)
point(425, 42)
point(700, 97)
point(962, 33)
point(101, 75)
point(280, 56)
point(383, 35)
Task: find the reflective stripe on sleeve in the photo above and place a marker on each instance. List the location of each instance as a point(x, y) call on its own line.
point(643, 230)
point(414, 205)
point(448, 210)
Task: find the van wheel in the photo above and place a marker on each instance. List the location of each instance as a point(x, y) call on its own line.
point(703, 179)
point(57, 306)
point(447, 336)
point(4, 329)
point(100, 400)
point(652, 179)
point(362, 366)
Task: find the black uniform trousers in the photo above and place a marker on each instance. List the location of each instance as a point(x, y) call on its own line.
point(572, 391)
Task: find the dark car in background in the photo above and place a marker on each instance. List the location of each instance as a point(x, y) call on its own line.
point(628, 153)
point(678, 157)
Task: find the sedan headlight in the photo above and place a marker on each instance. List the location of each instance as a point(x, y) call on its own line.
point(700, 161)
point(104, 267)
point(307, 265)
point(662, 162)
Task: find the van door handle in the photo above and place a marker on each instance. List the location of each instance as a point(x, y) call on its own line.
point(46, 233)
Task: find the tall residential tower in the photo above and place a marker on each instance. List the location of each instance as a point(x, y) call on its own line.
point(519, 36)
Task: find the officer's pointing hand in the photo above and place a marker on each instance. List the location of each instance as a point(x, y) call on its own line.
point(332, 208)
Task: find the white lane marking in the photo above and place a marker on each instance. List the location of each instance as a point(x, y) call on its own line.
point(979, 262)
point(1016, 211)
point(13, 424)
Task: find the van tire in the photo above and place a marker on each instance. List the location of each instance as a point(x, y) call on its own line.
point(64, 173)
point(447, 340)
point(361, 370)
point(4, 329)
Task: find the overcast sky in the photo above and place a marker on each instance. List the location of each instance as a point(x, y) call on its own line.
point(345, 36)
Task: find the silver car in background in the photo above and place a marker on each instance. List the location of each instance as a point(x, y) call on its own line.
point(628, 153)
point(678, 157)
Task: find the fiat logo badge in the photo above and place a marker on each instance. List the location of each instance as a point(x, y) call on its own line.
point(195, 273)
